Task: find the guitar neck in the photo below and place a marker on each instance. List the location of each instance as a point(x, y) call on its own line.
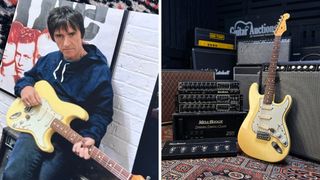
point(272, 72)
point(96, 153)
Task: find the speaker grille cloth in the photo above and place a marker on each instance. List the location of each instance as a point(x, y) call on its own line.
point(303, 119)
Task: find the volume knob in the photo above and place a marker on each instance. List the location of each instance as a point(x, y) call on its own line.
point(193, 149)
point(183, 149)
point(227, 147)
point(204, 148)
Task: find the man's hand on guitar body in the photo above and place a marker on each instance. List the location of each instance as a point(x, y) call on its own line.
point(30, 97)
point(82, 148)
point(63, 112)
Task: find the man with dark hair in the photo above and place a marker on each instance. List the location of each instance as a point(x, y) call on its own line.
point(79, 74)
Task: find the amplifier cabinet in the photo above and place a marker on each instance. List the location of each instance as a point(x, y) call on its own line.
point(209, 125)
point(219, 60)
point(8, 139)
point(303, 118)
point(169, 85)
point(246, 75)
point(259, 51)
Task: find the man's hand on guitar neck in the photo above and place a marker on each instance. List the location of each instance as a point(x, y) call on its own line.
point(30, 97)
point(82, 148)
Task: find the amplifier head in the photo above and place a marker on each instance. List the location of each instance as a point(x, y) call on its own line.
point(220, 61)
point(169, 85)
point(208, 125)
point(259, 51)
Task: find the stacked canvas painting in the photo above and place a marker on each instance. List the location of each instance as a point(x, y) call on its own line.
point(29, 40)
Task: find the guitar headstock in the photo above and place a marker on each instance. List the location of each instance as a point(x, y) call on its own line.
point(281, 26)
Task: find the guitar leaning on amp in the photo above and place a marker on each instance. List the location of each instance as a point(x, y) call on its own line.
point(264, 134)
point(54, 115)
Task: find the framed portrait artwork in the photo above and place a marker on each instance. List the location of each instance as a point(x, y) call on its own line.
point(29, 39)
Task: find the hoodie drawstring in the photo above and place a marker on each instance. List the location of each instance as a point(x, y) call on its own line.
point(63, 70)
point(62, 73)
point(55, 71)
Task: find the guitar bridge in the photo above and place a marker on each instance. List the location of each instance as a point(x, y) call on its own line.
point(263, 135)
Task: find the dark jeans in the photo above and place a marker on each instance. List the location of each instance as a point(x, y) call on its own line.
point(27, 161)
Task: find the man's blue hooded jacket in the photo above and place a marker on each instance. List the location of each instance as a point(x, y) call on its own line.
point(86, 82)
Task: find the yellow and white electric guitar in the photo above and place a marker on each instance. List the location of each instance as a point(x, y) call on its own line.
point(264, 134)
point(54, 115)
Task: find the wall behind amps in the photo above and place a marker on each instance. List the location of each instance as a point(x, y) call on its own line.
point(169, 86)
point(303, 25)
point(259, 51)
point(301, 81)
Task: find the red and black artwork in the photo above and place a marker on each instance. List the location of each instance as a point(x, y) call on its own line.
point(146, 6)
point(7, 8)
point(29, 39)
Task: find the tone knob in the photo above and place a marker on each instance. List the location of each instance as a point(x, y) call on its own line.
point(216, 148)
point(27, 116)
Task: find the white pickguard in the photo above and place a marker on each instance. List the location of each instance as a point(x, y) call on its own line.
point(37, 120)
point(271, 117)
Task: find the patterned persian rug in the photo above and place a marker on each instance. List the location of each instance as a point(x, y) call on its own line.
point(239, 167)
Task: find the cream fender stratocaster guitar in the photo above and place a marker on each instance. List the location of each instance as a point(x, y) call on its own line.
point(54, 115)
point(264, 134)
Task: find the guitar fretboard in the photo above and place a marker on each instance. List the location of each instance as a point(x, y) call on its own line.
point(272, 72)
point(95, 152)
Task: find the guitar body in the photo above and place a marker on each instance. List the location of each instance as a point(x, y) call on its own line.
point(54, 115)
point(36, 120)
point(264, 134)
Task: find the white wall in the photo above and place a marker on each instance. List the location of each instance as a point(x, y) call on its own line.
point(134, 79)
point(5, 101)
